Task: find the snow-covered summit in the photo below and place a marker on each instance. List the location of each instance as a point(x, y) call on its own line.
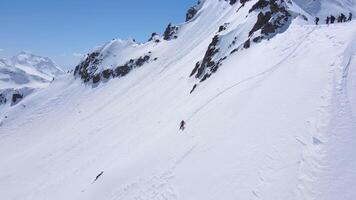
point(36, 65)
point(23, 74)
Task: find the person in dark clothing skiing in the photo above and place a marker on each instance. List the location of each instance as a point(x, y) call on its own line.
point(342, 17)
point(317, 20)
point(350, 17)
point(332, 19)
point(182, 125)
point(327, 20)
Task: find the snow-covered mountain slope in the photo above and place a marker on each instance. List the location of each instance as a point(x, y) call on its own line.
point(24, 74)
point(276, 120)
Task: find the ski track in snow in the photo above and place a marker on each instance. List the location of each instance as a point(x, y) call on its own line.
point(259, 75)
point(335, 115)
point(158, 187)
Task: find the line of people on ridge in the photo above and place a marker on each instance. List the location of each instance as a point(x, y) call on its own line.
point(331, 19)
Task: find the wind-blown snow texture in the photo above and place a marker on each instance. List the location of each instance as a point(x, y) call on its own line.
point(272, 120)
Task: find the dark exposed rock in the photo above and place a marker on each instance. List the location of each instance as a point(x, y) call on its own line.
point(16, 97)
point(192, 11)
point(170, 32)
point(247, 44)
point(243, 1)
point(262, 20)
point(259, 5)
point(223, 27)
point(3, 99)
point(273, 18)
point(141, 60)
point(232, 2)
point(208, 62)
point(208, 65)
point(197, 65)
point(107, 74)
point(194, 87)
point(123, 70)
point(88, 69)
point(154, 37)
point(96, 78)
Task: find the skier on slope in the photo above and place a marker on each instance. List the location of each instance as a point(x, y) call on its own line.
point(343, 17)
point(317, 20)
point(182, 125)
point(327, 20)
point(332, 19)
point(350, 17)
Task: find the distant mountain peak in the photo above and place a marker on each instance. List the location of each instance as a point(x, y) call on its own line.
point(36, 65)
point(23, 74)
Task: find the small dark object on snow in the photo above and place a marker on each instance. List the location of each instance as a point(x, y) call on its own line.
point(182, 125)
point(327, 20)
point(350, 17)
point(98, 176)
point(195, 86)
point(317, 21)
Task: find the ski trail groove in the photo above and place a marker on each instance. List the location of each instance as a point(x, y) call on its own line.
point(264, 73)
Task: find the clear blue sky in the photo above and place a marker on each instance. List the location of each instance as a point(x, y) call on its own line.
point(61, 29)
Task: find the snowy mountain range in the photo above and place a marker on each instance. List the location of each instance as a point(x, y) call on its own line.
point(246, 99)
point(24, 74)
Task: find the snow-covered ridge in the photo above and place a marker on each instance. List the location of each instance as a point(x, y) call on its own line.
point(240, 25)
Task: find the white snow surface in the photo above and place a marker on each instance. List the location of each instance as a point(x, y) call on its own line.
point(277, 121)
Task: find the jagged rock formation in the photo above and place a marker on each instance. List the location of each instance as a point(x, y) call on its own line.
point(88, 70)
point(170, 32)
point(274, 16)
point(155, 37)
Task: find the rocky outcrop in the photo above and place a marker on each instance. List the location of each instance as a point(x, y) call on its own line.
point(14, 96)
point(170, 32)
point(155, 37)
point(88, 69)
point(208, 65)
point(192, 11)
point(273, 18)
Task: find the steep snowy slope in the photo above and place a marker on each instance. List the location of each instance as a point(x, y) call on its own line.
point(24, 74)
point(274, 121)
